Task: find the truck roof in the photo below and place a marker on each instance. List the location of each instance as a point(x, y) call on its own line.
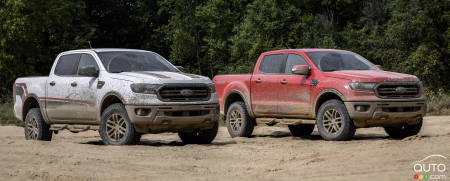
point(309, 50)
point(105, 50)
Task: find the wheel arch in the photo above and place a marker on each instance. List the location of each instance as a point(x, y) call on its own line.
point(30, 102)
point(109, 99)
point(233, 96)
point(326, 95)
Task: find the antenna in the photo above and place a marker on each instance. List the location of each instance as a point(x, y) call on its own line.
point(90, 46)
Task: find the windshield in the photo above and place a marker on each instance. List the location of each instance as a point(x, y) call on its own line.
point(129, 61)
point(334, 61)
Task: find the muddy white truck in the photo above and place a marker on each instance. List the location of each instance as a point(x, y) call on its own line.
point(122, 93)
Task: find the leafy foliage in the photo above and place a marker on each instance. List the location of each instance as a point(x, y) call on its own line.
point(212, 37)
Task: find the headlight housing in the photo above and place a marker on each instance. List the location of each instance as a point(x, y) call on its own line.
point(145, 88)
point(212, 88)
point(362, 86)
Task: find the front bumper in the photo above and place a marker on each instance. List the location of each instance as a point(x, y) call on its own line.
point(383, 113)
point(173, 118)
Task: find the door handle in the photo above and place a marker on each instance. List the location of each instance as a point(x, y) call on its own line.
point(258, 80)
point(73, 84)
point(52, 83)
point(283, 82)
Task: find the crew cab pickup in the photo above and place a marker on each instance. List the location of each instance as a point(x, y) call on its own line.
point(122, 93)
point(336, 90)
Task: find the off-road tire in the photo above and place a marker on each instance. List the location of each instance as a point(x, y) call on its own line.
point(404, 131)
point(130, 137)
point(301, 129)
point(35, 126)
point(200, 136)
point(344, 130)
point(243, 128)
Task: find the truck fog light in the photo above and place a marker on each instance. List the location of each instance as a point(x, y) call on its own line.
point(142, 112)
point(362, 108)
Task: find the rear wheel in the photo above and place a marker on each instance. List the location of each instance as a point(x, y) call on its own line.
point(239, 123)
point(301, 129)
point(200, 136)
point(333, 121)
point(35, 126)
point(116, 127)
point(404, 131)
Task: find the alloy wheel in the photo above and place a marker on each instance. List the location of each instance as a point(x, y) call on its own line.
point(116, 127)
point(32, 128)
point(332, 121)
point(236, 120)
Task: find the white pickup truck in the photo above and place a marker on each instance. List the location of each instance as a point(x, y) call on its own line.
point(122, 93)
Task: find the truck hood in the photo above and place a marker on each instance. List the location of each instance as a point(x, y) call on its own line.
point(159, 77)
point(372, 76)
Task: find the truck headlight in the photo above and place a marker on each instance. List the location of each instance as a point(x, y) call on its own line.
point(145, 88)
point(212, 88)
point(362, 86)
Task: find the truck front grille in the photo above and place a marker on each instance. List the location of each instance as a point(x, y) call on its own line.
point(397, 90)
point(184, 93)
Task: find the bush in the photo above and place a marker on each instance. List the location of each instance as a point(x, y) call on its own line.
point(438, 103)
point(7, 115)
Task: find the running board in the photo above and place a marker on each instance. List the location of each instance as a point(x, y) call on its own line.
point(75, 128)
point(273, 121)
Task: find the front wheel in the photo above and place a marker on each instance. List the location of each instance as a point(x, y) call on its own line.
point(200, 136)
point(404, 131)
point(35, 126)
point(333, 121)
point(116, 127)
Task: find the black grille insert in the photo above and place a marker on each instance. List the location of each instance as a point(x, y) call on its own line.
point(184, 93)
point(398, 90)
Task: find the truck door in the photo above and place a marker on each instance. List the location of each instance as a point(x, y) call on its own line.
point(83, 92)
point(57, 103)
point(294, 99)
point(265, 85)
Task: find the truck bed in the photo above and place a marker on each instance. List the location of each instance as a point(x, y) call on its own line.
point(225, 83)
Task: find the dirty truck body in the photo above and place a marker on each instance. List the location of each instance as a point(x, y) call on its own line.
point(336, 90)
point(122, 93)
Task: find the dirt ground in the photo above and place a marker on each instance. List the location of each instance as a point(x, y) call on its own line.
point(272, 154)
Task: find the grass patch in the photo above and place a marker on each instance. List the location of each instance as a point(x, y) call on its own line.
point(7, 115)
point(438, 103)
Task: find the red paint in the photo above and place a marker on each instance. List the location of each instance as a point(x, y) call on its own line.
point(62, 99)
point(15, 88)
point(24, 85)
point(285, 95)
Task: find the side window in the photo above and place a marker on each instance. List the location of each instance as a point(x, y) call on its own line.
point(87, 60)
point(294, 59)
point(67, 65)
point(272, 64)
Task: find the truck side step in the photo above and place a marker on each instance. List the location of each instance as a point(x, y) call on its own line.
point(274, 121)
point(75, 128)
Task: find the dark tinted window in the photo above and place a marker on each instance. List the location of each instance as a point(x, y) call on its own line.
point(272, 64)
point(294, 59)
point(129, 61)
point(87, 60)
point(67, 65)
point(335, 61)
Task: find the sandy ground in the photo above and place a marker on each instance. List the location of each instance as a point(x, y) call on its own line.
point(272, 154)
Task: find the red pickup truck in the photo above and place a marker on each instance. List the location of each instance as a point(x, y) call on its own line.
point(336, 90)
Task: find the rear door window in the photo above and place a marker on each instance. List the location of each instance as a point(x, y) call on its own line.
point(67, 65)
point(273, 64)
point(294, 59)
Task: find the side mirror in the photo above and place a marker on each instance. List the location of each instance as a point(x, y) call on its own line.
point(90, 71)
point(180, 68)
point(379, 67)
point(300, 70)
